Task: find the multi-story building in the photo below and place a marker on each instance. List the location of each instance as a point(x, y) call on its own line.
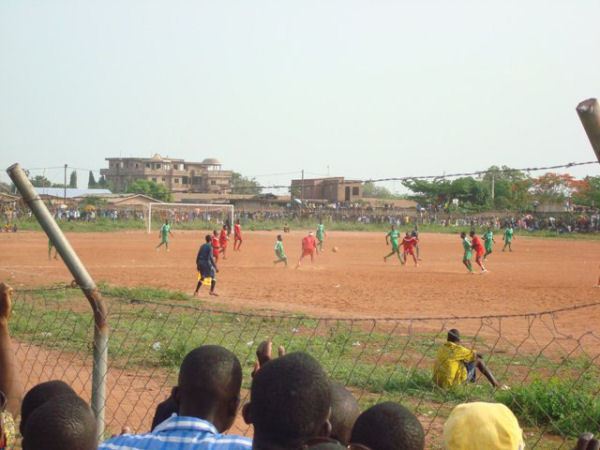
point(176, 174)
point(333, 189)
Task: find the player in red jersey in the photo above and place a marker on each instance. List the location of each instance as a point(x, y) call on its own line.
point(479, 250)
point(237, 236)
point(408, 244)
point(309, 248)
point(215, 245)
point(223, 239)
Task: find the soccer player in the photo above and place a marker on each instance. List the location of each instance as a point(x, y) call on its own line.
point(479, 250)
point(488, 240)
point(320, 235)
point(415, 234)
point(309, 247)
point(215, 245)
point(408, 244)
point(237, 236)
point(50, 247)
point(393, 236)
point(163, 234)
point(468, 251)
point(206, 265)
point(279, 252)
point(508, 237)
point(223, 239)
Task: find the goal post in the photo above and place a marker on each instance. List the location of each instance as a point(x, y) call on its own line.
point(189, 213)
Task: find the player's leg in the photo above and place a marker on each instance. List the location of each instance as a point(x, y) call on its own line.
point(418, 252)
point(394, 251)
point(480, 364)
point(414, 258)
point(479, 262)
point(198, 285)
point(467, 263)
point(213, 282)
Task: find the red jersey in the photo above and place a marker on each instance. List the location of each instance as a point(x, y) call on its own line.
point(309, 243)
point(476, 244)
point(237, 231)
point(223, 238)
point(409, 243)
point(215, 245)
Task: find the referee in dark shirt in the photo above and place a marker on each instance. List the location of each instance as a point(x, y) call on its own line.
point(205, 263)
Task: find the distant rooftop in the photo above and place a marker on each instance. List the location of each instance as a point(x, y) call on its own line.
point(71, 192)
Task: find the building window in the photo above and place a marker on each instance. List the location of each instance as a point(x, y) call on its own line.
point(154, 180)
point(176, 180)
point(355, 191)
point(157, 166)
point(137, 165)
point(147, 165)
point(185, 180)
point(163, 179)
point(213, 182)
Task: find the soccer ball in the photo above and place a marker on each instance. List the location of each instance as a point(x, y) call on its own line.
point(334, 249)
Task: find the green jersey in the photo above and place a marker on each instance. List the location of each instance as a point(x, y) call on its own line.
point(488, 238)
point(467, 248)
point(394, 235)
point(279, 249)
point(165, 230)
point(508, 234)
point(320, 231)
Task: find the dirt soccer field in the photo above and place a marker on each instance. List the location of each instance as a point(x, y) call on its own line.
point(540, 274)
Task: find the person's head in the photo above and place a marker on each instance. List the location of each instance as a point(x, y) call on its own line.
point(407, 234)
point(215, 233)
point(479, 425)
point(41, 394)
point(65, 423)
point(454, 336)
point(393, 227)
point(225, 227)
point(166, 221)
point(290, 402)
point(388, 426)
point(310, 233)
point(210, 378)
point(344, 411)
point(208, 238)
point(463, 235)
point(471, 233)
point(237, 221)
point(279, 238)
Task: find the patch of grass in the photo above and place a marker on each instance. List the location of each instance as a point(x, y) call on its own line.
point(141, 293)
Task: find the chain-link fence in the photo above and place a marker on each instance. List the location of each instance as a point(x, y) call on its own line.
point(553, 376)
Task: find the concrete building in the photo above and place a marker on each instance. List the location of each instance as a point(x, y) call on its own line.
point(176, 174)
point(333, 189)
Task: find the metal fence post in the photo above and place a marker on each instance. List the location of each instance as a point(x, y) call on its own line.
point(589, 114)
point(83, 280)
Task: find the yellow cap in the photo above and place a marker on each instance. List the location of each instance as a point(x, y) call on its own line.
point(479, 425)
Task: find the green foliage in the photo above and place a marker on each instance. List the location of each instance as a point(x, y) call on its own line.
point(73, 180)
point(244, 185)
point(40, 181)
point(557, 404)
point(92, 181)
point(587, 192)
point(151, 189)
point(371, 190)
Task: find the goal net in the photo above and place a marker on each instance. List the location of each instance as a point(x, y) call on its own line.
point(189, 215)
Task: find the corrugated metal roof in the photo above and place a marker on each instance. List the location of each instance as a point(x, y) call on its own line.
point(71, 192)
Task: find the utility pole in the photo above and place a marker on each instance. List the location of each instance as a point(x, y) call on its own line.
point(493, 187)
point(302, 196)
point(65, 187)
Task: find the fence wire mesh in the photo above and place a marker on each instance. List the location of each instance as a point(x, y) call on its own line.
point(553, 376)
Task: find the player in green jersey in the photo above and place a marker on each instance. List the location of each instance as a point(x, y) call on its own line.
point(163, 234)
point(320, 236)
point(488, 242)
point(279, 252)
point(393, 236)
point(50, 247)
point(508, 237)
point(468, 254)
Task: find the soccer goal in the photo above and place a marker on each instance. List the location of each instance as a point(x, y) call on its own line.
point(201, 214)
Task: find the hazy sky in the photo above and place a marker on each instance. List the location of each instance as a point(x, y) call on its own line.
point(366, 88)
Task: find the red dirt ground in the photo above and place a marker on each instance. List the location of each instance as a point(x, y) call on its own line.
point(540, 274)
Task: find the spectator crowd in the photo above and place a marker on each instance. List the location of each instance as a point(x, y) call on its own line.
point(292, 405)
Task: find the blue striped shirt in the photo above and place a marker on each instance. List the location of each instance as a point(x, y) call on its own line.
point(179, 433)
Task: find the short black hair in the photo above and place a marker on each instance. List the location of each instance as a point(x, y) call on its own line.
point(210, 373)
point(388, 426)
point(453, 335)
point(344, 411)
point(290, 400)
point(67, 423)
point(39, 395)
point(463, 234)
point(472, 233)
point(208, 238)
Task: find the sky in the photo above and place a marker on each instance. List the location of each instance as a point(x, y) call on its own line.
point(362, 89)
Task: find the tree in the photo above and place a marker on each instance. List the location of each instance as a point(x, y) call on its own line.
point(40, 181)
point(102, 183)
point(552, 187)
point(586, 192)
point(92, 181)
point(370, 190)
point(73, 180)
point(150, 188)
point(244, 185)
